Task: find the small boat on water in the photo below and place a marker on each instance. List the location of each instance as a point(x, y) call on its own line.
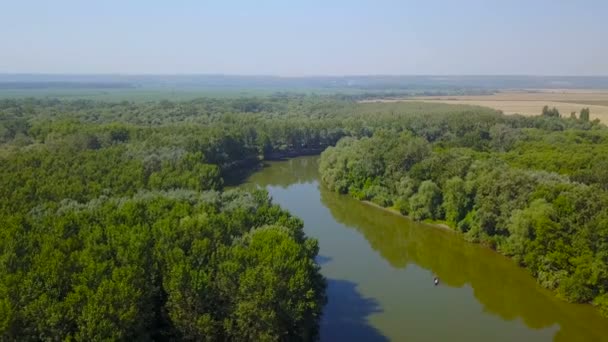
point(436, 281)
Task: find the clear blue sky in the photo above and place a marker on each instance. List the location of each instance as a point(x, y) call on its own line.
point(314, 37)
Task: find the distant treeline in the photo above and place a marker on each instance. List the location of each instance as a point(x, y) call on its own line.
point(65, 85)
point(371, 82)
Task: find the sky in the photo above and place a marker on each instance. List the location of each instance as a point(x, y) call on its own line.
point(305, 38)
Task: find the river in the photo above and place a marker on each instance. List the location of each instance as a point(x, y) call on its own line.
point(380, 268)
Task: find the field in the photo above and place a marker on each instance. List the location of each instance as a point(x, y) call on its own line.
point(531, 102)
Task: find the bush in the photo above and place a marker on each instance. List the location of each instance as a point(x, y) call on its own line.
point(602, 303)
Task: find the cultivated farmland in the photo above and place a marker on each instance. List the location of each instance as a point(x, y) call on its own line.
point(531, 102)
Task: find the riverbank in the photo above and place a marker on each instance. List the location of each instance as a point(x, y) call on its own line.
point(396, 212)
point(445, 227)
point(282, 155)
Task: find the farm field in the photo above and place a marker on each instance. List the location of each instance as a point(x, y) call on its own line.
point(531, 102)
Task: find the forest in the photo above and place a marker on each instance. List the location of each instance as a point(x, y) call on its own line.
point(116, 223)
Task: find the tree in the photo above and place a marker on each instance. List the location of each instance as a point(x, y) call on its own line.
point(426, 203)
point(280, 297)
point(584, 116)
point(265, 145)
point(456, 201)
point(503, 137)
point(551, 113)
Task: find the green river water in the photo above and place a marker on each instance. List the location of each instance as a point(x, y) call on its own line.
point(380, 269)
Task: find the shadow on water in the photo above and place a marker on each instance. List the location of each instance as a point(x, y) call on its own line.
point(239, 176)
point(345, 317)
point(322, 259)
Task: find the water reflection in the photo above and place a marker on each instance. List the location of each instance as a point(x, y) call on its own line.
point(285, 173)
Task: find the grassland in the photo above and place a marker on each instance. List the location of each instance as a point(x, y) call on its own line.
point(531, 102)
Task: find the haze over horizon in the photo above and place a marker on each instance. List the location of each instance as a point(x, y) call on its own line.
point(212, 74)
point(341, 38)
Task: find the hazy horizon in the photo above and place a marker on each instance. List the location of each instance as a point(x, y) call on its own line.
point(150, 74)
point(305, 39)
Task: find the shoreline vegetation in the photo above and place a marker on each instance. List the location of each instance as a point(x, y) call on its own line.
point(395, 211)
point(117, 223)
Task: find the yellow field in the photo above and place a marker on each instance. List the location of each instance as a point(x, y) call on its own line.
point(531, 102)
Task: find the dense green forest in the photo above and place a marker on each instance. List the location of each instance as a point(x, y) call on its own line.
point(116, 223)
point(532, 188)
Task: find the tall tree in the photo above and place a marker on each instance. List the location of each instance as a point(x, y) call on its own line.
point(584, 116)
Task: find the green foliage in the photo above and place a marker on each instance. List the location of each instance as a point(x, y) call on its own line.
point(550, 113)
point(279, 288)
point(112, 229)
point(111, 267)
point(584, 116)
point(456, 200)
point(577, 153)
point(602, 303)
point(426, 203)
